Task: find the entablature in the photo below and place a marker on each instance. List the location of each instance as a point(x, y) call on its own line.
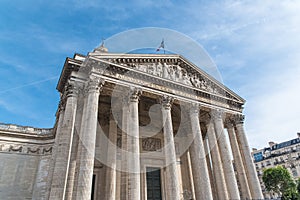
point(160, 81)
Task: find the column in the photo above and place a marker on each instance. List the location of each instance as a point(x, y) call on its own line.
point(78, 126)
point(209, 167)
point(186, 177)
point(172, 184)
point(88, 139)
point(111, 175)
point(253, 181)
point(63, 153)
point(124, 173)
point(217, 167)
point(232, 187)
point(239, 166)
point(133, 146)
point(198, 158)
point(60, 115)
point(73, 160)
point(72, 165)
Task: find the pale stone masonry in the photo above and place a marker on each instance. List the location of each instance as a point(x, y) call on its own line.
point(132, 127)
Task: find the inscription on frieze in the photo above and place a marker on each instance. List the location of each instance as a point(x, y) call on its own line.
point(26, 149)
point(151, 144)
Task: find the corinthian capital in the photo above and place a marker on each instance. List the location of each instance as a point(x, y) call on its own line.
point(71, 89)
point(95, 84)
point(217, 114)
point(194, 108)
point(228, 122)
point(134, 94)
point(166, 101)
point(238, 119)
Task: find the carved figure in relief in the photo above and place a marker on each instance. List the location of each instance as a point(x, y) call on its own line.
point(171, 70)
point(151, 69)
point(185, 77)
point(151, 144)
point(165, 71)
point(203, 84)
point(142, 68)
point(178, 73)
point(159, 69)
point(195, 81)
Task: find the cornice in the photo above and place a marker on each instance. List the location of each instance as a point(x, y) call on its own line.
point(71, 64)
point(25, 132)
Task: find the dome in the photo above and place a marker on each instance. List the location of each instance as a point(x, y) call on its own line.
point(102, 48)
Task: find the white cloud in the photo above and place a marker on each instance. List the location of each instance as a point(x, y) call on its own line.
point(256, 45)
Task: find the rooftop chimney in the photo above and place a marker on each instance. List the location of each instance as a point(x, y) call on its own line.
point(271, 143)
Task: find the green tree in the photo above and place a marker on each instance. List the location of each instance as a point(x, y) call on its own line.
point(279, 180)
point(298, 186)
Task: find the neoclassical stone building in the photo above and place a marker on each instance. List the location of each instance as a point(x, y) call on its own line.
point(132, 126)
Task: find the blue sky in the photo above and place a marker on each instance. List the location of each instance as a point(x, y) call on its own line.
point(255, 44)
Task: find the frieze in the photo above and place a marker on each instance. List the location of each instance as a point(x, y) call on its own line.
point(26, 149)
point(151, 144)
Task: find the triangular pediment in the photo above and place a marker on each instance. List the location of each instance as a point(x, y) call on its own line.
point(170, 67)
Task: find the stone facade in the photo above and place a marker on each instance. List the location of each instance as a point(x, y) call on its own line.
point(286, 154)
point(132, 126)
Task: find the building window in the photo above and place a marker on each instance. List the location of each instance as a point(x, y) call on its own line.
point(294, 171)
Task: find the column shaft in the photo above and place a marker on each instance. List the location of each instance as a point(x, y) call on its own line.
point(54, 149)
point(74, 151)
point(133, 147)
point(253, 180)
point(82, 110)
point(173, 189)
point(217, 167)
point(111, 175)
point(198, 159)
point(88, 140)
point(241, 173)
point(209, 167)
point(124, 173)
point(63, 154)
point(232, 187)
point(186, 177)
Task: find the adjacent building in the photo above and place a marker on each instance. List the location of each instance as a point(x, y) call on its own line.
point(130, 127)
point(286, 154)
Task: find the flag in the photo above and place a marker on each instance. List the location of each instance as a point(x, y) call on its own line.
point(162, 45)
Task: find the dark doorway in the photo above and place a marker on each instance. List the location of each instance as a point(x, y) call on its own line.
point(93, 187)
point(153, 184)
